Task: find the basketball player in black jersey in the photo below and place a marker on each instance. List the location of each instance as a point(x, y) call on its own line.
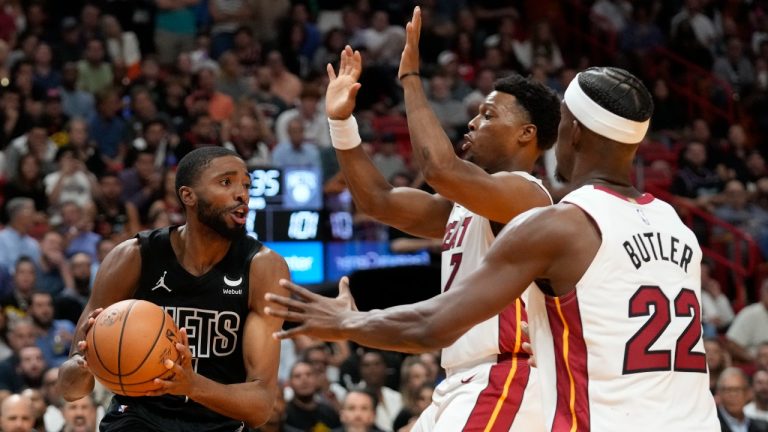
point(212, 279)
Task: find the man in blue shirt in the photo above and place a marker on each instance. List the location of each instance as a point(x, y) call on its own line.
point(54, 336)
point(296, 152)
point(15, 241)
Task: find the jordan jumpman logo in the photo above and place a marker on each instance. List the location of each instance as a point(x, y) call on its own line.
point(161, 283)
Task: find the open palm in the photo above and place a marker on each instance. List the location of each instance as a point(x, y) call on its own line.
point(342, 88)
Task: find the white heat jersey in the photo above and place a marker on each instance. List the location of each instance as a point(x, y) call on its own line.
point(467, 239)
point(623, 350)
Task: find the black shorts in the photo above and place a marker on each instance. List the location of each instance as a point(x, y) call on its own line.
point(137, 418)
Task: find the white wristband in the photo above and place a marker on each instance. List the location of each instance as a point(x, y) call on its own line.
point(344, 133)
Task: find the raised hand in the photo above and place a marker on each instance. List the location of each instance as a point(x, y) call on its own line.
point(342, 88)
point(409, 60)
point(320, 317)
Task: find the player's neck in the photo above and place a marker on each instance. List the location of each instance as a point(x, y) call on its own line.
point(198, 253)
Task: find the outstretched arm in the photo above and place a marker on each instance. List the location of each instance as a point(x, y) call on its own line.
point(407, 209)
point(453, 178)
point(538, 246)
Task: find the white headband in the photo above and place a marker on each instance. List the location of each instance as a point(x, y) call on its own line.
point(601, 121)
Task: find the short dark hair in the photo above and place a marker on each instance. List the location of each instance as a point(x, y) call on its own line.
point(367, 392)
point(195, 162)
point(618, 91)
point(539, 101)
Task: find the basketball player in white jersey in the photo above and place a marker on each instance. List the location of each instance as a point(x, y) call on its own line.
point(616, 317)
point(487, 370)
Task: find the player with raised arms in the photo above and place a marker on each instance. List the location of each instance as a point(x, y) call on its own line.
point(211, 278)
point(489, 381)
point(615, 317)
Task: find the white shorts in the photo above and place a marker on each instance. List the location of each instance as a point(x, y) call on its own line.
point(490, 397)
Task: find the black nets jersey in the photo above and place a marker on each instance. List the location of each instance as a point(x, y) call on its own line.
point(213, 308)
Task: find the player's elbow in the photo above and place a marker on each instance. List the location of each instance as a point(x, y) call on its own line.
point(258, 418)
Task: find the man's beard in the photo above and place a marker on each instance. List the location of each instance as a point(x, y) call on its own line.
point(215, 220)
point(40, 323)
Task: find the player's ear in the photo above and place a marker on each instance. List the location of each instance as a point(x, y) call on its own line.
point(187, 195)
point(576, 134)
point(527, 134)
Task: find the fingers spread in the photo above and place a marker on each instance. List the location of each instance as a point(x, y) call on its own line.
point(298, 290)
point(286, 314)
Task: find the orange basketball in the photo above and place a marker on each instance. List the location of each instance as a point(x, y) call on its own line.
point(128, 344)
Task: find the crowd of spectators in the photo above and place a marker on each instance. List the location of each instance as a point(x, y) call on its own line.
point(100, 99)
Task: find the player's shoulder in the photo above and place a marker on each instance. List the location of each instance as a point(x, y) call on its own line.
point(266, 261)
point(126, 250)
point(522, 181)
point(554, 219)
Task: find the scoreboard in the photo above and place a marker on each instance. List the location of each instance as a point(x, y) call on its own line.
point(287, 213)
point(287, 205)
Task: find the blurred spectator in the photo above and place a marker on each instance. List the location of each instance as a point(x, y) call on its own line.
point(449, 111)
point(735, 150)
point(410, 413)
point(35, 142)
point(483, 86)
point(69, 304)
point(7, 24)
point(14, 120)
point(296, 151)
point(167, 202)
point(230, 80)
point(154, 138)
point(373, 371)
point(94, 72)
point(202, 132)
point(304, 411)
point(53, 418)
point(122, 47)
point(747, 332)
point(144, 110)
point(331, 393)
point(28, 373)
point(5, 348)
point(694, 181)
point(77, 226)
point(53, 271)
point(384, 42)
point(228, 16)
point(80, 415)
point(248, 141)
point(542, 43)
point(312, 116)
point(456, 77)
point(85, 148)
point(107, 128)
point(667, 109)
point(90, 26)
point(330, 50)
point(38, 407)
point(744, 215)
point(21, 334)
point(75, 102)
point(641, 34)
point(758, 408)
point(283, 83)
point(54, 336)
point(115, 218)
point(716, 310)
point(246, 49)
point(685, 43)
point(46, 76)
point(756, 169)
point(15, 241)
point(735, 68)
point(692, 14)
point(141, 182)
point(220, 106)
point(54, 116)
point(358, 412)
point(69, 46)
point(265, 100)
point(611, 16)
point(175, 28)
point(27, 184)
point(387, 160)
point(16, 414)
point(15, 303)
point(732, 395)
point(72, 182)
